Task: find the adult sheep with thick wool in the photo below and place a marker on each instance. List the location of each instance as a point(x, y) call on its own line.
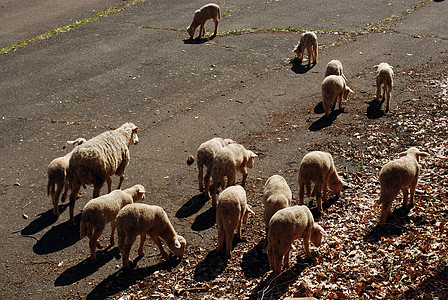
point(95, 161)
point(396, 175)
point(98, 212)
point(57, 176)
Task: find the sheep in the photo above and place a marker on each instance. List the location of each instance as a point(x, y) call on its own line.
point(334, 67)
point(57, 176)
point(276, 195)
point(318, 166)
point(334, 88)
point(205, 155)
point(98, 159)
point(287, 225)
point(385, 78)
point(104, 209)
point(142, 219)
point(206, 12)
point(398, 175)
point(227, 161)
point(308, 41)
point(231, 212)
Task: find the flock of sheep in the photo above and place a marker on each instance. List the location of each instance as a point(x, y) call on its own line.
point(94, 161)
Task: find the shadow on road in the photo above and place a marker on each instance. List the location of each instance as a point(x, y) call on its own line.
point(319, 108)
point(374, 110)
point(58, 237)
point(298, 68)
point(255, 263)
point(394, 226)
point(205, 220)
point(324, 121)
point(122, 279)
point(198, 40)
point(208, 269)
point(192, 206)
point(86, 267)
point(43, 221)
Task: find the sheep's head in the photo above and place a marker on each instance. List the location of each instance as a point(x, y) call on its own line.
point(336, 184)
point(414, 152)
point(299, 51)
point(347, 90)
point(248, 212)
point(179, 245)
point(229, 141)
point(250, 159)
point(191, 31)
point(316, 235)
point(77, 142)
point(140, 196)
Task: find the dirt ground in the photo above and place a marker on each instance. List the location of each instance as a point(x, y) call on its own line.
point(134, 62)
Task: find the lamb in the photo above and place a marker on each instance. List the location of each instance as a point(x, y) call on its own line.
point(205, 156)
point(334, 88)
point(231, 212)
point(206, 12)
point(398, 175)
point(57, 176)
point(142, 219)
point(334, 67)
point(228, 160)
point(318, 166)
point(103, 210)
point(287, 225)
point(385, 78)
point(98, 159)
point(308, 41)
point(276, 195)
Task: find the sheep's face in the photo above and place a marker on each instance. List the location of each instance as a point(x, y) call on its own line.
point(316, 235)
point(299, 51)
point(140, 194)
point(250, 160)
point(134, 138)
point(179, 246)
point(336, 185)
point(347, 90)
point(248, 212)
point(191, 31)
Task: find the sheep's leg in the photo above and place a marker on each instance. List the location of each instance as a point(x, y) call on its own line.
point(277, 264)
point(244, 172)
point(55, 198)
point(113, 224)
point(76, 185)
point(201, 30)
point(122, 176)
point(318, 187)
point(412, 189)
point(125, 251)
point(301, 192)
point(339, 102)
point(221, 237)
point(386, 199)
point(121, 239)
point(229, 241)
point(315, 50)
point(238, 227)
point(157, 241)
point(66, 188)
point(142, 244)
point(93, 242)
point(215, 19)
point(201, 177)
point(378, 91)
point(286, 258)
point(388, 99)
point(325, 187)
point(306, 243)
point(96, 190)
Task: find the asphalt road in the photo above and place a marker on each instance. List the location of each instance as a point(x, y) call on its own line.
point(137, 65)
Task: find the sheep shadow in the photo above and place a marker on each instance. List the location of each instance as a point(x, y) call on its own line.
point(87, 267)
point(123, 279)
point(273, 287)
point(255, 263)
point(394, 226)
point(298, 68)
point(43, 221)
point(210, 267)
point(192, 206)
point(319, 108)
point(198, 40)
point(324, 121)
point(58, 237)
point(374, 109)
point(205, 220)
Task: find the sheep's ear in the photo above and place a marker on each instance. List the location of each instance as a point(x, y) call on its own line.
point(135, 129)
point(70, 142)
point(141, 191)
point(253, 154)
point(322, 231)
point(423, 154)
point(350, 90)
point(403, 154)
point(177, 243)
point(249, 209)
point(375, 66)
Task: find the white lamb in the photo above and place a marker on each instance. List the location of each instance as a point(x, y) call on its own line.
point(384, 78)
point(308, 41)
point(232, 212)
point(98, 212)
point(276, 195)
point(95, 161)
point(396, 175)
point(334, 67)
point(318, 167)
point(334, 88)
point(57, 176)
point(287, 225)
point(228, 160)
point(143, 219)
point(205, 155)
point(206, 12)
